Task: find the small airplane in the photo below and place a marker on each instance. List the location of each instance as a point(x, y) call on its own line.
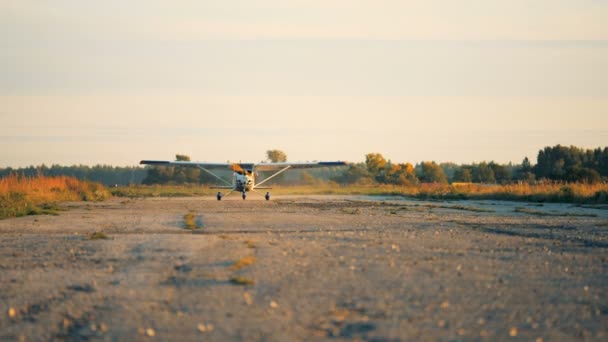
point(243, 176)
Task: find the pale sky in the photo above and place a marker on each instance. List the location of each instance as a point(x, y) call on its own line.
point(114, 82)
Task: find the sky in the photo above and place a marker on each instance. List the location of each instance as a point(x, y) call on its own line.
point(114, 82)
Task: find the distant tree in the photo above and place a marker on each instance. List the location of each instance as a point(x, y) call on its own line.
point(565, 163)
point(400, 174)
point(327, 173)
point(375, 162)
point(354, 174)
point(450, 170)
point(525, 165)
point(463, 174)
point(585, 175)
point(182, 175)
point(432, 173)
point(501, 172)
point(104, 174)
point(307, 179)
point(158, 175)
point(182, 157)
point(173, 175)
point(206, 178)
point(484, 174)
point(376, 166)
point(603, 162)
point(276, 156)
point(525, 172)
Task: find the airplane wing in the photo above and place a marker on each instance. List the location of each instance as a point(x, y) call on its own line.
point(247, 166)
point(303, 165)
point(185, 163)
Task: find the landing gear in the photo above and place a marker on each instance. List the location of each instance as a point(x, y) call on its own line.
point(244, 195)
point(267, 196)
point(219, 196)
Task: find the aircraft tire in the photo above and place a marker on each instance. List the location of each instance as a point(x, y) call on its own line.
point(267, 196)
point(244, 195)
point(219, 196)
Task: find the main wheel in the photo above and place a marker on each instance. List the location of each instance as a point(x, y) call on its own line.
point(219, 196)
point(244, 195)
point(267, 196)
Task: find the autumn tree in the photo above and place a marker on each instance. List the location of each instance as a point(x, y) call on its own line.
point(276, 156)
point(375, 163)
point(400, 174)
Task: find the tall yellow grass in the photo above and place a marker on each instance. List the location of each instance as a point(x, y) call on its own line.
point(25, 195)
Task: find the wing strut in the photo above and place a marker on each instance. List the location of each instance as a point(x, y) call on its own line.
point(214, 175)
point(274, 175)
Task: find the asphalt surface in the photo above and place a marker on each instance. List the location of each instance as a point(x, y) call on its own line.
point(306, 268)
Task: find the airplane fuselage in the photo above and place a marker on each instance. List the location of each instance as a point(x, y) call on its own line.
point(243, 180)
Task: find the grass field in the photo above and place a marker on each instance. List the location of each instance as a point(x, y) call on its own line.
point(564, 193)
point(21, 196)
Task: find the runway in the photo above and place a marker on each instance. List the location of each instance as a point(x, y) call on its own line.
point(300, 268)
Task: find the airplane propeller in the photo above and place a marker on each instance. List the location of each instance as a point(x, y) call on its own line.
point(237, 168)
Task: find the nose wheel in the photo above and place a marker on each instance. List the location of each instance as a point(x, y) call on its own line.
point(267, 196)
point(244, 195)
point(219, 196)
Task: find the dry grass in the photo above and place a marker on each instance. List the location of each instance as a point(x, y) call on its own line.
point(98, 236)
point(547, 192)
point(243, 262)
point(242, 281)
point(190, 221)
point(21, 196)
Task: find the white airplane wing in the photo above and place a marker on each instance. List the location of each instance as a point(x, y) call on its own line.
point(185, 163)
point(247, 166)
point(304, 165)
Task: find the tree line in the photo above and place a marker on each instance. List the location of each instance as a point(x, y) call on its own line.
point(104, 174)
point(557, 163)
